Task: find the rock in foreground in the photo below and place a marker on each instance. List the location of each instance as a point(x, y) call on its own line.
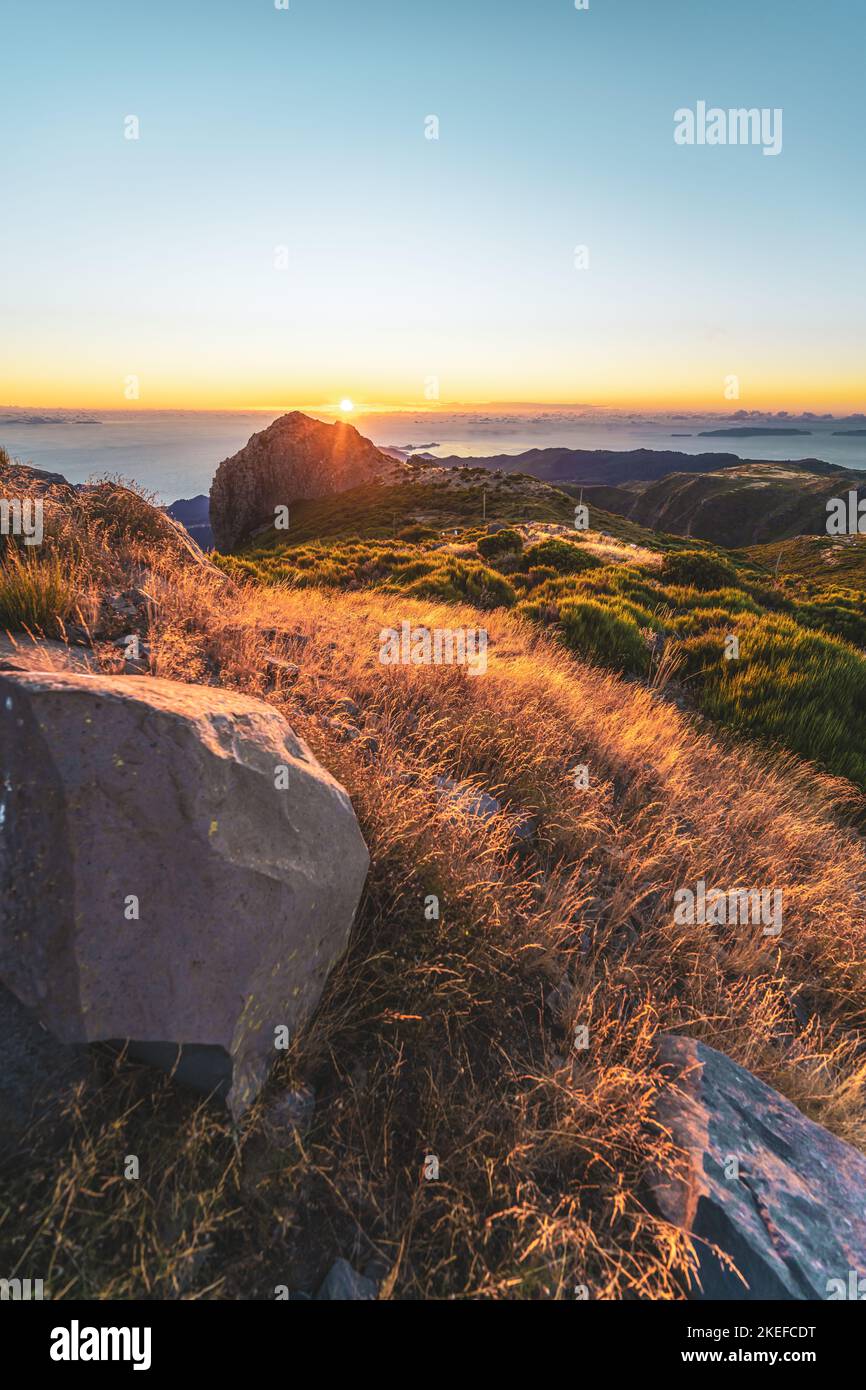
point(157, 883)
point(294, 458)
point(344, 1284)
point(792, 1213)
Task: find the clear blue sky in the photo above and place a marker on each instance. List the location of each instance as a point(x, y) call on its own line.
point(411, 258)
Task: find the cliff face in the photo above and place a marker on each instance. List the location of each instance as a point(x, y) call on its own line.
point(294, 458)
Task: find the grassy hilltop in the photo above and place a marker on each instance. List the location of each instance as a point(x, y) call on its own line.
point(651, 606)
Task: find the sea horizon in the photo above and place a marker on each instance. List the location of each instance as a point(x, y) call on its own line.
point(174, 453)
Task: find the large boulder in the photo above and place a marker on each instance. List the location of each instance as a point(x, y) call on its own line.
point(780, 1196)
point(175, 866)
point(294, 458)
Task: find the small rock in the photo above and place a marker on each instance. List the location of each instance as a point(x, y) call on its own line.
point(370, 744)
point(525, 828)
point(559, 998)
point(290, 1116)
point(279, 672)
point(347, 707)
point(344, 1283)
point(469, 800)
point(347, 733)
point(22, 653)
point(377, 1269)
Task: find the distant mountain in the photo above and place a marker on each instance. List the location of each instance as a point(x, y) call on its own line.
point(753, 503)
point(609, 466)
point(747, 432)
point(193, 513)
point(48, 420)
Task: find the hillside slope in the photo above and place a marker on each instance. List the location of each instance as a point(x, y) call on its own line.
point(588, 466)
point(740, 505)
point(637, 601)
point(528, 827)
point(450, 1034)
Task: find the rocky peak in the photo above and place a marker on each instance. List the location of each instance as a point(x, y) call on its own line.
point(296, 457)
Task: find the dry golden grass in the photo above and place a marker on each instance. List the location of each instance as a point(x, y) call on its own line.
point(454, 1037)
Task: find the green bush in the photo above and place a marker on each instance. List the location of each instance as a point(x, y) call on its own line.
point(841, 613)
point(695, 569)
point(417, 532)
point(37, 594)
point(539, 574)
point(562, 556)
point(803, 690)
point(505, 542)
point(597, 632)
point(464, 581)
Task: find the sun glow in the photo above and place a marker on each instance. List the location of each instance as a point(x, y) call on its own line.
point(347, 405)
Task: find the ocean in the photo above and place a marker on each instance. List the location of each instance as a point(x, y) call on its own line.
point(175, 453)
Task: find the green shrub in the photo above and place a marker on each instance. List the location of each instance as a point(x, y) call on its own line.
point(561, 556)
point(697, 620)
point(695, 569)
point(37, 594)
point(803, 690)
point(464, 581)
point(599, 633)
point(417, 532)
point(539, 574)
point(505, 542)
point(841, 613)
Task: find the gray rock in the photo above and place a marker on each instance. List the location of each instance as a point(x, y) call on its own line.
point(346, 708)
point(467, 799)
point(279, 672)
point(126, 785)
point(794, 1219)
point(345, 1283)
point(19, 652)
point(290, 1116)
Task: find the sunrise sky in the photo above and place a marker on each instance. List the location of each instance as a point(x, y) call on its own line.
point(408, 259)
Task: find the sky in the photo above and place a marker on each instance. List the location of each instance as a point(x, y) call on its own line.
point(283, 232)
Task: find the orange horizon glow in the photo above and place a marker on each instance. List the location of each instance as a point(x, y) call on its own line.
point(839, 399)
point(630, 376)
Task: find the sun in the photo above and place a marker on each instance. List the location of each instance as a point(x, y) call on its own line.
point(347, 405)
